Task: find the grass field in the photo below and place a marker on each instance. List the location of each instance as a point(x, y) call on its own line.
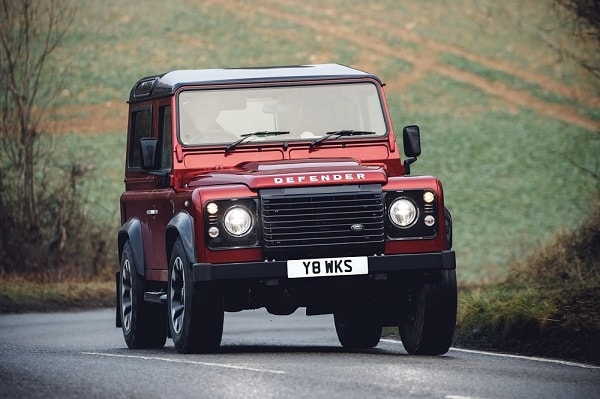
point(507, 124)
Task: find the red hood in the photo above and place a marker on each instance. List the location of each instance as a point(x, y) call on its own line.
point(294, 173)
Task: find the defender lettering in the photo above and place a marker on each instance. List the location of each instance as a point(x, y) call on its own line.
point(319, 178)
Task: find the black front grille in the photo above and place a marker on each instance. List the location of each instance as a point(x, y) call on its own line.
point(322, 221)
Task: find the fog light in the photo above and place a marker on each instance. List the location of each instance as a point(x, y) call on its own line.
point(429, 220)
point(213, 232)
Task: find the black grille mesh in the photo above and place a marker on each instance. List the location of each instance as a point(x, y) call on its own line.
point(332, 221)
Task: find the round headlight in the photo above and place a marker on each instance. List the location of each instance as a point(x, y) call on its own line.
point(403, 213)
point(237, 221)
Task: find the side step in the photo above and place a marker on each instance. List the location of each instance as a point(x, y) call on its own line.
point(159, 297)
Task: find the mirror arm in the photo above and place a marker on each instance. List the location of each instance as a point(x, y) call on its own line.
point(407, 163)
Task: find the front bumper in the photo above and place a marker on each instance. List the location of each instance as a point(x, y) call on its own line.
point(203, 272)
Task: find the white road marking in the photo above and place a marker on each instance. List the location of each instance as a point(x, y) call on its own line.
point(164, 359)
point(532, 358)
point(461, 397)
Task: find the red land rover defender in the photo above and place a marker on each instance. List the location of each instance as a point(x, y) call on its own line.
point(278, 187)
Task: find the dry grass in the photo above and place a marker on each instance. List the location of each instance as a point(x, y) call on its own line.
point(549, 303)
point(20, 295)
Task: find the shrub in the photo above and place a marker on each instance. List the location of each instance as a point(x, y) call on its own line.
point(63, 241)
point(548, 304)
point(571, 258)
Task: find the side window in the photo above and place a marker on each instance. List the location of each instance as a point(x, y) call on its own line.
point(141, 126)
point(164, 136)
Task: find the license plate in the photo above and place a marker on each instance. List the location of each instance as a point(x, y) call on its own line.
point(325, 267)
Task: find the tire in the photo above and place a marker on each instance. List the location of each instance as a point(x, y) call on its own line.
point(195, 311)
point(357, 327)
point(143, 324)
point(427, 325)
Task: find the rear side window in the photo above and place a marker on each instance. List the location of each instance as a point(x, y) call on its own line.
point(141, 126)
point(164, 126)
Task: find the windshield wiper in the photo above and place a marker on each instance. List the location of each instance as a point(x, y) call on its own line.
point(246, 136)
point(338, 134)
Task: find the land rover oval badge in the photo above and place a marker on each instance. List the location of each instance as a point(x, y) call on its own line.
point(357, 228)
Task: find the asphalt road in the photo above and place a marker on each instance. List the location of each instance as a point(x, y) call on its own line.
point(75, 355)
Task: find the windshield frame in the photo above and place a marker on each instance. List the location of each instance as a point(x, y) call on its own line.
point(372, 103)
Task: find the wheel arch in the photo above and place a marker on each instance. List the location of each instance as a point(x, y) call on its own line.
point(181, 225)
point(132, 231)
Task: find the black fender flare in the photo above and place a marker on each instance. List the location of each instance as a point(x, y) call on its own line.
point(181, 225)
point(132, 231)
point(448, 224)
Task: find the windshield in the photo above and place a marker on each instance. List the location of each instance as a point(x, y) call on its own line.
point(222, 116)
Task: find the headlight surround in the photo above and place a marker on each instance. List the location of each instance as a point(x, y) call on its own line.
point(409, 216)
point(403, 212)
point(231, 223)
point(238, 221)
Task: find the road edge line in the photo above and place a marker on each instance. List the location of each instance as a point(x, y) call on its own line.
point(508, 355)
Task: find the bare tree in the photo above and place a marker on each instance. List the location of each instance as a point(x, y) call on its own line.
point(585, 18)
point(36, 206)
point(30, 31)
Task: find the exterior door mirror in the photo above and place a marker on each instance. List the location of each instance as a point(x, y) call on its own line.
point(412, 141)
